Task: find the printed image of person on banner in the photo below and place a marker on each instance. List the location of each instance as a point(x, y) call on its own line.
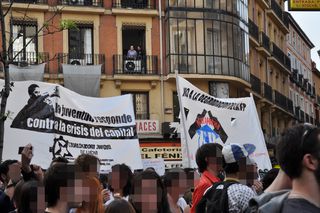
point(38, 106)
point(206, 119)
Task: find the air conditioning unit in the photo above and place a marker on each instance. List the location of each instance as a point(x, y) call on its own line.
point(132, 66)
point(77, 61)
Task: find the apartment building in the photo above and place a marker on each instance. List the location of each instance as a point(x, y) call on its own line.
point(302, 86)
point(270, 66)
point(316, 81)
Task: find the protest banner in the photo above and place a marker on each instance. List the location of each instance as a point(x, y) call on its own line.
point(60, 122)
point(206, 119)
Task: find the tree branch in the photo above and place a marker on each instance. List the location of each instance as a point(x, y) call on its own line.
point(11, 3)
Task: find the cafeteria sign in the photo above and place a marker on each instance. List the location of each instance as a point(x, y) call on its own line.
point(301, 5)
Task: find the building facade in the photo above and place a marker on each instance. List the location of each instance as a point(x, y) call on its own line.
point(301, 87)
point(226, 48)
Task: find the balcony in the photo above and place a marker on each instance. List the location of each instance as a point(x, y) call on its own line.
point(30, 1)
point(289, 105)
point(294, 76)
point(313, 92)
point(254, 31)
point(264, 42)
point(264, 3)
point(302, 116)
point(134, 4)
point(309, 89)
point(307, 118)
point(81, 60)
point(277, 15)
point(87, 3)
point(255, 84)
point(311, 120)
point(305, 85)
point(300, 80)
point(280, 100)
point(31, 58)
point(147, 65)
point(267, 92)
point(281, 59)
point(297, 112)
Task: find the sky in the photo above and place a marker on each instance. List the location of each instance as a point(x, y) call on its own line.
point(309, 21)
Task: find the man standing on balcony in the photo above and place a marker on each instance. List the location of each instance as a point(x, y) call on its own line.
point(132, 53)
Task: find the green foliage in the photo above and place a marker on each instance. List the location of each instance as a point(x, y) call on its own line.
point(68, 25)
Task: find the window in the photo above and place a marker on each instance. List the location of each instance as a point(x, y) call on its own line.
point(81, 42)
point(24, 40)
point(140, 104)
point(176, 107)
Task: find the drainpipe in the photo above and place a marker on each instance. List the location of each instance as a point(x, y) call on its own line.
point(161, 65)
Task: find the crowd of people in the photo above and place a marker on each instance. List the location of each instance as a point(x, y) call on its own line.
point(226, 180)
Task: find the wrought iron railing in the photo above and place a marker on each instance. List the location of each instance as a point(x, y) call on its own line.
point(290, 105)
point(277, 53)
point(255, 84)
point(280, 100)
point(30, 1)
point(267, 92)
point(253, 30)
point(300, 80)
point(30, 58)
point(297, 112)
point(81, 60)
point(90, 3)
point(277, 9)
point(144, 65)
point(294, 76)
point(134, 4)
point(307, 118)
point(264, 41)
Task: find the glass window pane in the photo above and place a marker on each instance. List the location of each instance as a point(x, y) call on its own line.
point(224, 43)
point(200, 37)
point(191, 36)
point(230, 43)
point(201, 64)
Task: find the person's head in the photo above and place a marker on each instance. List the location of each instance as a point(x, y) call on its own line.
point(10, 169)
point(59, 160)
point(31, 197)
point(90, 188)
point(120, 205)
point(89, 164)
point(33, 90)
point(138, 47)
point(175, 181)
point(59, 182)
point(236, 162)
point(149, 193)
point(209, 157)
point(269, 177)
point(121, 179)
point(298, 152)
point(131, 47)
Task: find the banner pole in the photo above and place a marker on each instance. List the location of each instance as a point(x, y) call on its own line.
point(182, 121)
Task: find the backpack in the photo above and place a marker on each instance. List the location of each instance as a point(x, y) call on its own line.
point(215, 198)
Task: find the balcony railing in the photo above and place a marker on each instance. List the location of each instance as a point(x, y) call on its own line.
point(305, 85)
point(90, 3)
point(302, 119)
point(81, 60)
point(264, 41)
point(318, 100)
point(297, 112)
point(30, 1)
point(255, 84)
point(300, 80)
point(313, 92)
point(267, 92)
point(276, 9)
point(309, 89)
point(280, 100)
point(134, 4)
point(280, 56)
point(289, 105)
point(311, 120)
point(253, 30)
point(307, 118)
point(31, 58)
point(294, 76)
point(145, 65)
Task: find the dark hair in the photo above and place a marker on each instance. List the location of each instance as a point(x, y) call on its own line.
point(28, 197)
point(205, 151)
point(230, 168)
point(269, 178)
point(17, 193)
point(31, 88)
point(125, 172)
point(290, 151)
point(4, 167)
point(85, 161)
point(172, 174)
point(59, 160)
point(56, 177)
point(120, 205)
point(163, 205)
